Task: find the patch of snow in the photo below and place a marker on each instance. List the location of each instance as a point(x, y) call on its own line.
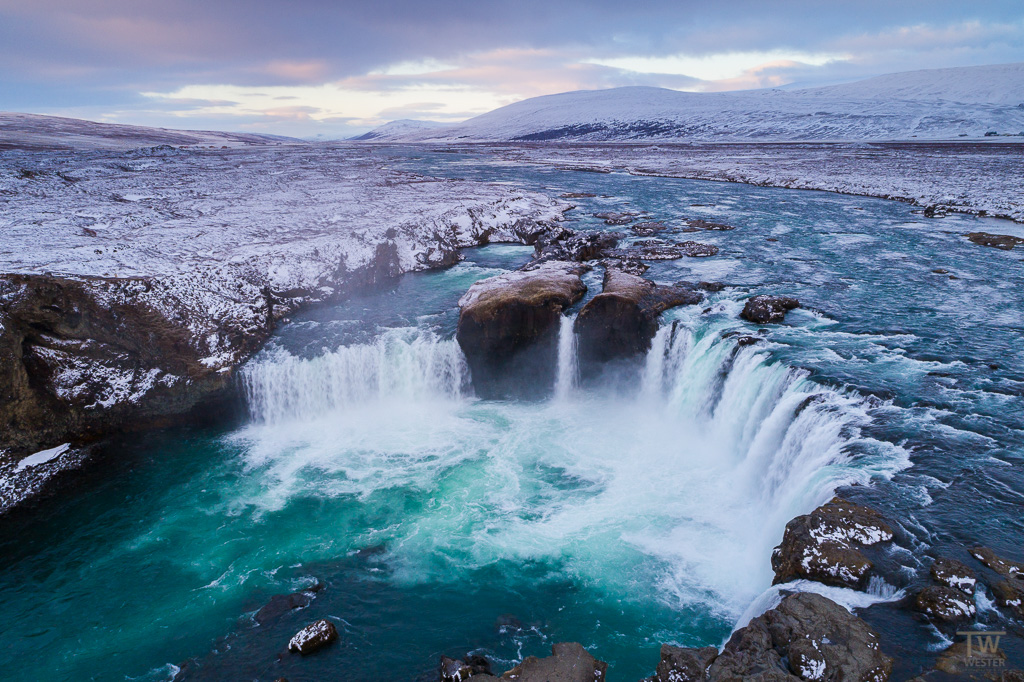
point(42, 457)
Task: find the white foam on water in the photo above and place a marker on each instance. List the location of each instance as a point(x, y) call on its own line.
point(676, 492)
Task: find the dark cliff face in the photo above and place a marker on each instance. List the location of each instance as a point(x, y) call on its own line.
point(82, 357)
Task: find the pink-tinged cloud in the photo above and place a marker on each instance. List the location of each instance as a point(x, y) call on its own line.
point(311, 71)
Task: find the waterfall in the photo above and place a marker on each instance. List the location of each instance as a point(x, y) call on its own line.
point(688, 481)
point(567, 371)
point(402, 364)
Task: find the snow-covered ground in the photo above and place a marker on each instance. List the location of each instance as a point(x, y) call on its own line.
point(218, 227)
point(931, 104)
point(969, 177)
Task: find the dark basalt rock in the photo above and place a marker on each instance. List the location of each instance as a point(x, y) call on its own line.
point(313, 637)
point(1009, 592)
point(711, 286)
point(806, 637)
point(825, 545)
point(508, 328)
point(578, 195)
point(997, 241)
point(620, 218)
point(768, 309)
point(945, 603)
point(620, 322)
point(683, 664)
point(705, 225)
point(51, 326)
point(459, 669)
point(563, 244)
point(653, 249)
point(697, 249)
point(633, 266)
point(952, 573)
point(280, 604)
point(649, 228)
point(935, 212)
point(568, 662)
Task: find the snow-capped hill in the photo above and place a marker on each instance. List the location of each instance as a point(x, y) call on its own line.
point(932, 104)
point(396, 130)
point(35, 131)
point(999, 84)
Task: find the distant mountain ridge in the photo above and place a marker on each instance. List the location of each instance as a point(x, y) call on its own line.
point(929, 104)
point(36, 131)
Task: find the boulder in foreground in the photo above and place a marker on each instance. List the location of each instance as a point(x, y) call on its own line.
point(568, 662)
point(825, 545)
point(805, 637)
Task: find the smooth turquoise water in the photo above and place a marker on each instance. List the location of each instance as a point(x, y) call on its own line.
point(442, 524)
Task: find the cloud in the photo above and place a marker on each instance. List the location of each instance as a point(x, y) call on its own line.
point(341, 66)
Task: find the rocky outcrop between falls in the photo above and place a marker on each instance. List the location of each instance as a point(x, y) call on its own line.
point(805, 637)
point(768, 309)
point(620, 322)
point(826, 545)
point(508, 327)
point(568, 662)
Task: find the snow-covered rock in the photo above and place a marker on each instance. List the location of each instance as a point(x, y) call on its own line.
point(929, 104)
point(826, 544)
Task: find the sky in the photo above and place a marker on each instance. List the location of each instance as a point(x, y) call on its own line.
point(315, 68)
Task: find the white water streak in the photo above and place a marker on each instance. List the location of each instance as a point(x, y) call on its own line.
point(401, 364)
point(567, 375)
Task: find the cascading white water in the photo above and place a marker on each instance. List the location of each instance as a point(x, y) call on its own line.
point(567, 368)
point(404, 363)
point(675, 492)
